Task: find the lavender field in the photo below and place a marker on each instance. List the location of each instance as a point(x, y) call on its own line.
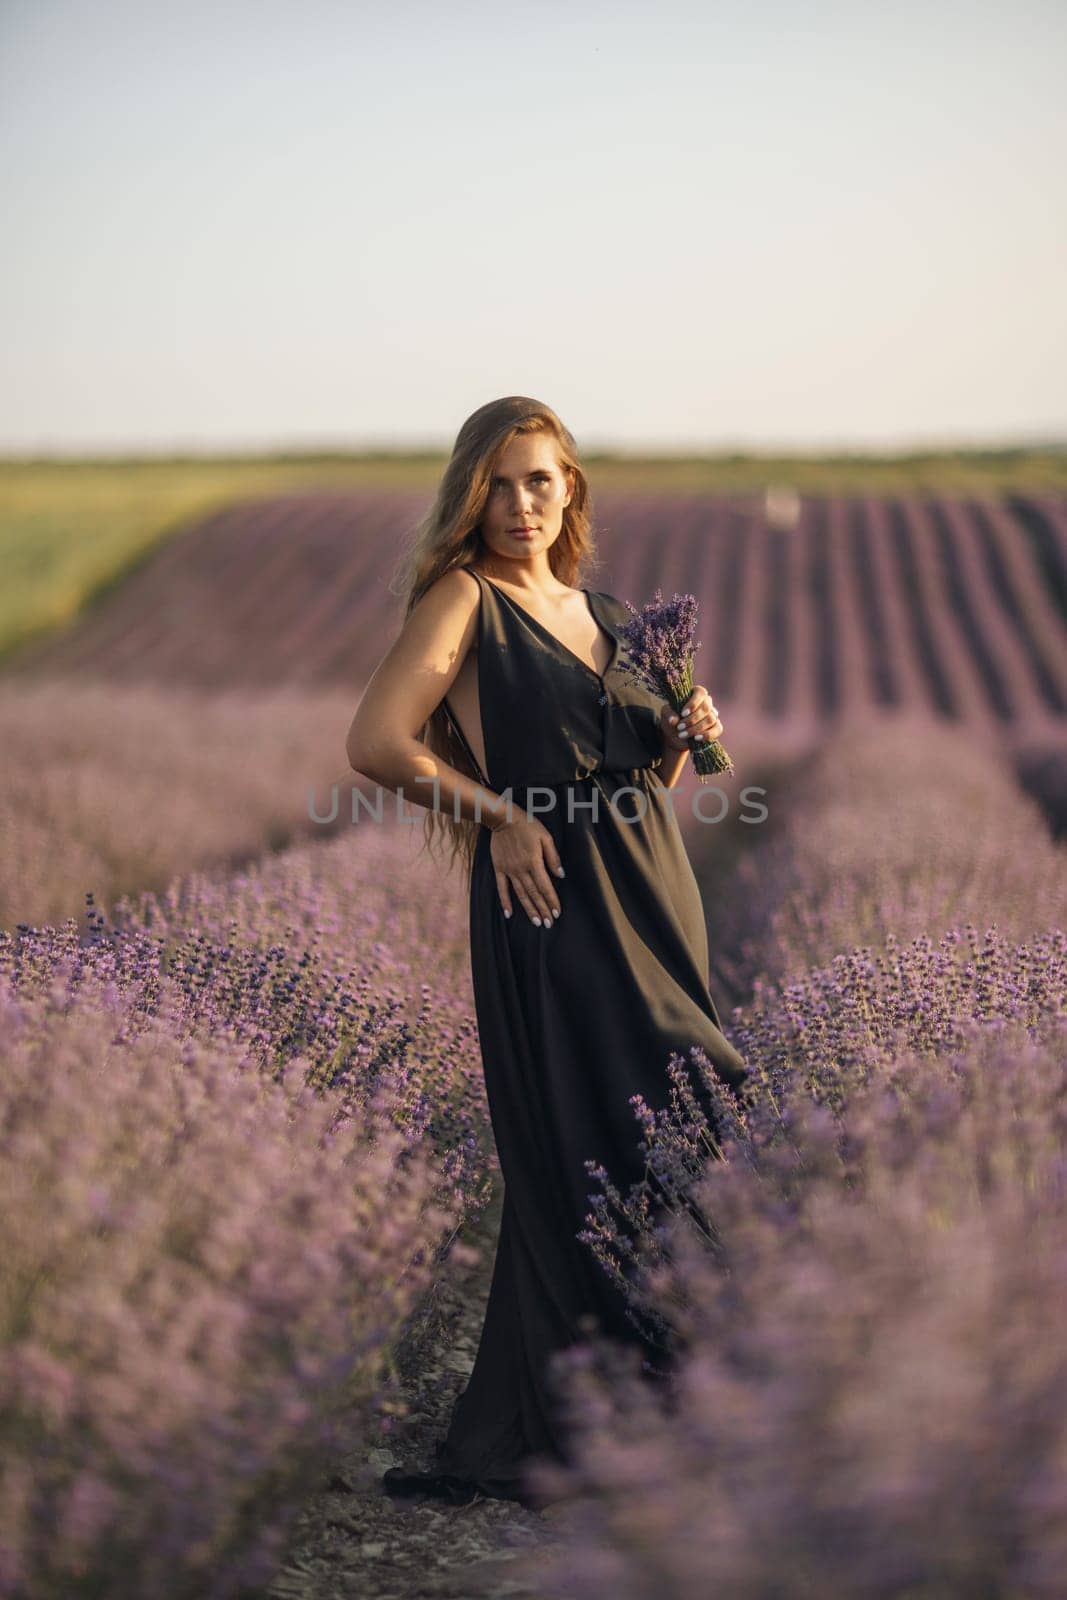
point(816, 606)
point(243, 1135)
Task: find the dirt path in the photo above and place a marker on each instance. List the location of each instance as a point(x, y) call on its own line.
point(355, 1541)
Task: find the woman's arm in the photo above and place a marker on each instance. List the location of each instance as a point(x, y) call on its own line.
point(408, 684)
point(670, 768)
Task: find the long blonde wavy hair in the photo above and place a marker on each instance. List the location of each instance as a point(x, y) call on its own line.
point(449, 535)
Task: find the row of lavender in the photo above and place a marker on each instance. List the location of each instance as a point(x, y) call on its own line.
point(239, 1124)
point(858, 1281)
point(120, 787)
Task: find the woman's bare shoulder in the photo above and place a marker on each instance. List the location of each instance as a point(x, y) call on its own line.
point(421, 664)
point(457, 587)
point(453, 583)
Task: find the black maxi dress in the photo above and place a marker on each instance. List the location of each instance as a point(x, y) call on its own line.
point(573, 1019)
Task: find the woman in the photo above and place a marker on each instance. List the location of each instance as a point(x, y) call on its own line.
point(505, 684)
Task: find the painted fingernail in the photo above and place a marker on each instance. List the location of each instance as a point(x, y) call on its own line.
point(537, 922)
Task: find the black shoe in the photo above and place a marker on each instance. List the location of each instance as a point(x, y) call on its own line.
point(402, 1485)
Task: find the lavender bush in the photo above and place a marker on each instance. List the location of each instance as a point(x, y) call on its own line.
point(871, 1398)
point(852, 1273)
point(237, 1134)
point(189, 1249)
point(832, 1036)
point(904, 828)
point(119, 788)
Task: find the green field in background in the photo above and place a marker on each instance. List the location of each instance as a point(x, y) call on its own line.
point(70, 529)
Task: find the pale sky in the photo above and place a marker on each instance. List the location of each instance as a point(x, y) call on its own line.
point(680, 223)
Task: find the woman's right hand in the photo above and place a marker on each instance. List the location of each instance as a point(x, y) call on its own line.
point(524, 854)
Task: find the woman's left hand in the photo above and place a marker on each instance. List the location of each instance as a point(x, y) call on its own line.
point(699, 720)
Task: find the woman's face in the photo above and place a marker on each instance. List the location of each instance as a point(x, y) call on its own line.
point(528, 491)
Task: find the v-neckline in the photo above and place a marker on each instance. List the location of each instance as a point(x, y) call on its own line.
point(615, 641)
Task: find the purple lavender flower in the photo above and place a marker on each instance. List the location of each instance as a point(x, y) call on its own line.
point(661, 648)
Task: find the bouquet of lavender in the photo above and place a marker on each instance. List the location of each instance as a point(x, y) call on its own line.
point(660, 645)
